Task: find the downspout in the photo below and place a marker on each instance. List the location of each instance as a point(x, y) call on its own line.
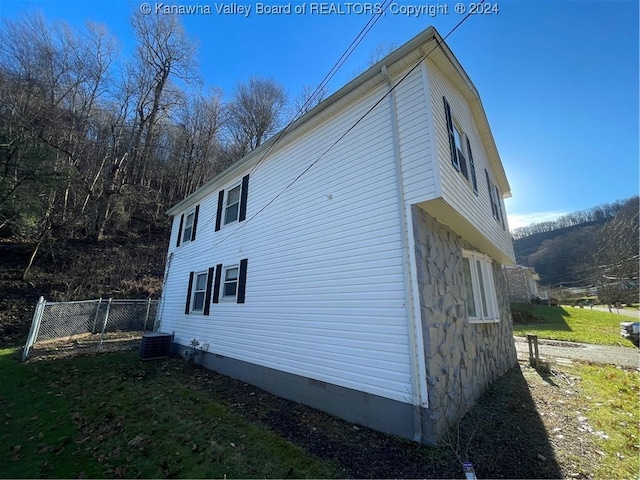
point(158, 323)
point(416, 352)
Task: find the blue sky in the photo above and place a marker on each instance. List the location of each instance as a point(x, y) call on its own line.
point(558, 78)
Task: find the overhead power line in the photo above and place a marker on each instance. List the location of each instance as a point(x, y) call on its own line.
point(346, 132)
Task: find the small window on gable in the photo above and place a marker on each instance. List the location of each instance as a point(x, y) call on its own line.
point(230, 282)
point(482, 305)
point(232, 205)
point(199, 290)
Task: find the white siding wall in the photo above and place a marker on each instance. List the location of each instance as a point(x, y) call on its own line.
point(456, 190)
point(418, 175)
point(324, 295)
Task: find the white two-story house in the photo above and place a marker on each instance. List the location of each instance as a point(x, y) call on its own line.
point(354, 262)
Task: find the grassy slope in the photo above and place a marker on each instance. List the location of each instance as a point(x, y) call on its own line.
point(573, 324)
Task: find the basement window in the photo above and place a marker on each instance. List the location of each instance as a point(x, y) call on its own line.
point(481, 301)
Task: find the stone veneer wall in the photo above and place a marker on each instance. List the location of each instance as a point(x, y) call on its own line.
point(462, 359)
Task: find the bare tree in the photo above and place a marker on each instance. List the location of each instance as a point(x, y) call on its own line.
point(614, 267)
point(308, 98)
point(255, 113)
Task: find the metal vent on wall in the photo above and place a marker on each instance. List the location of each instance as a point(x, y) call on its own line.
point(155, 345)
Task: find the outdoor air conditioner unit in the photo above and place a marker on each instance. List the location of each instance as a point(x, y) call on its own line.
point(155, 345)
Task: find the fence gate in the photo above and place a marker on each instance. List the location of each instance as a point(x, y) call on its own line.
point(59, 327)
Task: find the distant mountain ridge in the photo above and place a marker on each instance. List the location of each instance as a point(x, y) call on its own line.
point(560, 250)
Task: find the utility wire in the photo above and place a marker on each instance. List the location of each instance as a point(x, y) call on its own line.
point(289, 185)
point(327, 78)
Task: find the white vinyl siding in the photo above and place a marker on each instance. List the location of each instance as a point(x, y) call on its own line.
point(418, 175)
point(457, 190)
point(325, 295)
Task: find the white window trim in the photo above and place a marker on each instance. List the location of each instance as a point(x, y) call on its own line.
point(184, 227)
point(225, 206)
point(493, 313)
point(229, 298)
point(204, 291)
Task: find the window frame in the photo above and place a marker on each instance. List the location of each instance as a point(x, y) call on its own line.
point(195, 291)
point(188, 228)
point(225, 206)
point(483, 288)
point(224, 281)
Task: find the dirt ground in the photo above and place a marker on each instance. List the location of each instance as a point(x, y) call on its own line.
point(527, 425)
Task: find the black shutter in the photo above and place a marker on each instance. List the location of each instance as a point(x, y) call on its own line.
point(472, 168)
point(216, 284)
point(493, 207)
point(463, 164)
point(207, 295)
point(195, 223)
point(242, 279)
point(499, 207)
point(219, 212)
point(188, 304)
point(452, 140)
point(180, 230)
point(243, 198)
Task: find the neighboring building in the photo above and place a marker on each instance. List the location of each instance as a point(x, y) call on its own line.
point(354, 264)
point(523, 283)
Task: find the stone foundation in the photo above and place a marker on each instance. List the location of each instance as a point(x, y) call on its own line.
point(461, 358)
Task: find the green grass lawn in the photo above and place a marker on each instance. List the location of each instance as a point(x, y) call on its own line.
point(611, 406)
point(572, 324)
point(115, 416)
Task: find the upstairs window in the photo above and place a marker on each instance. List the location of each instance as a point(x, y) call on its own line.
point(187, 227)
point(460, 147)
point(232, 204)
point(494, 200)
point(482, 305)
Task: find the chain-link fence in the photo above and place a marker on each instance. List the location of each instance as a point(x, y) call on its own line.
point(64, 327)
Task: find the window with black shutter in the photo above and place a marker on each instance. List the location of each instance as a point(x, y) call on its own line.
point(232, 204)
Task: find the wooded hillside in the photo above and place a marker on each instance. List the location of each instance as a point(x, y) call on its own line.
point(596, 247)
point(95, 147)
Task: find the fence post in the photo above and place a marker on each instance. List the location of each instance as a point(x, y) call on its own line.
point(95, 318)
point(146, 318)
point(104, 325)
point(35, 326)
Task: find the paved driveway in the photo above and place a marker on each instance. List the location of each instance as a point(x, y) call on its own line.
point(623, 356)
point(623, 312)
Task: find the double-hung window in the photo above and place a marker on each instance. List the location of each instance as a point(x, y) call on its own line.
point(482, 305)
point(230, 285)
point(461, 156)
point(199, 289)
point(188, 227)
point(232, 205)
